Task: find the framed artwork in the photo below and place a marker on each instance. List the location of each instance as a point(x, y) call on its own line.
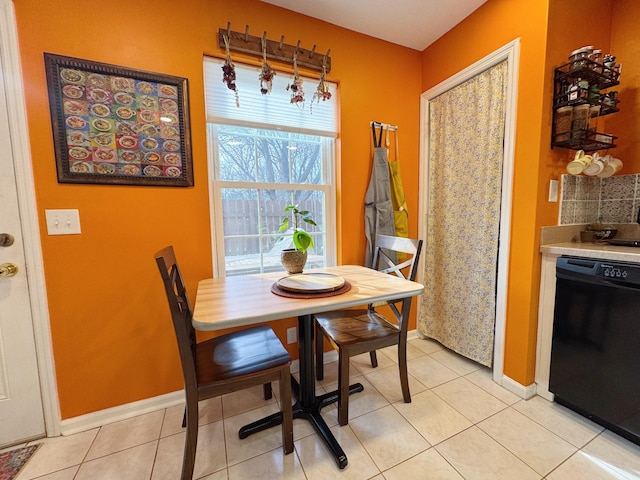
point(115, 125)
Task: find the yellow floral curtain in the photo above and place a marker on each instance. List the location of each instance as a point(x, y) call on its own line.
point(466, 132)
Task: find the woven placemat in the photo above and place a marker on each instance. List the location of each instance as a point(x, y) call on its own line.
point(285, 293)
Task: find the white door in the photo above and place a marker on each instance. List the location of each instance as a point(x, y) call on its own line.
point(21, 413)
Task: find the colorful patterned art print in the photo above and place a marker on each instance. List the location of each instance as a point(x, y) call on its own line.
point(118, 126)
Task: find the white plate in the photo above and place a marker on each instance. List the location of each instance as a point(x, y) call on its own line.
point(311, 282)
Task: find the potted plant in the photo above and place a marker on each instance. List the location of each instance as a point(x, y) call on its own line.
point(294, 259)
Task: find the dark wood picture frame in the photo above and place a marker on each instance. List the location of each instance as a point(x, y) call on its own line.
point(115, 125)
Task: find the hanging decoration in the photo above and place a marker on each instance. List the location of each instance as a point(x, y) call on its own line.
point(280, 51)
point(322, 92)
point(297, 93)
point(267, 73)
point(229, 72)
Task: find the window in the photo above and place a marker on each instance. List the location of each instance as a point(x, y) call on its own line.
point(265, 155)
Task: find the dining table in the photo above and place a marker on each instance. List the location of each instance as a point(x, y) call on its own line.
point(237, 301)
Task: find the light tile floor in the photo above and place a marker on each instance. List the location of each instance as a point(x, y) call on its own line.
point(460, 425)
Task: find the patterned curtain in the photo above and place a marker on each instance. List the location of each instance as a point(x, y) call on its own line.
point(463, 215)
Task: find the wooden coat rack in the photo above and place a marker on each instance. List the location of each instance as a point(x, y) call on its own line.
point(252, 45)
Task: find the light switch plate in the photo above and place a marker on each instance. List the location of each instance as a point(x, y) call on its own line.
point(553, 190)
point(63, 222)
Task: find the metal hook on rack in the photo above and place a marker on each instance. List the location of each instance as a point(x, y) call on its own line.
point(393, 128)
point(324, 59)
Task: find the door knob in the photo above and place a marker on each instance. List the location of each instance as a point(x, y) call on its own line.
point(8, 270)
point(6, 240)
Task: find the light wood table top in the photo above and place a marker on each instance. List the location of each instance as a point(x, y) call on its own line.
point(243, 300)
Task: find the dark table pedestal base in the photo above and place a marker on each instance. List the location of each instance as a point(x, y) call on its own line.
point(312, 415)
point(308, 405)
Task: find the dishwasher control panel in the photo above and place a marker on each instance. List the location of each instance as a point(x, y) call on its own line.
point(613, 271)
point(606, 270)
point(622, 272)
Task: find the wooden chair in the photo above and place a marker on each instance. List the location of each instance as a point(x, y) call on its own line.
point(353, 332)
point(225, 364)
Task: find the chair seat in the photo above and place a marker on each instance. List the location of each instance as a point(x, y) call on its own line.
point(346, 327)
point(353, 332)
point(243, 352)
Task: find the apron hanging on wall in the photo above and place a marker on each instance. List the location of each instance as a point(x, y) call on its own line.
point(378, 208)
point(400, 213)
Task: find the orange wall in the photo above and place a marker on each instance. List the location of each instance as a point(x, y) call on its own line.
point(112, 338)
point(626, 47)
point(561, 42)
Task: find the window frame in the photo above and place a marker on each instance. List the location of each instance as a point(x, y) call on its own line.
point(328, 187)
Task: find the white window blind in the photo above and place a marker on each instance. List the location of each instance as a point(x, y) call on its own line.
point(273, 110)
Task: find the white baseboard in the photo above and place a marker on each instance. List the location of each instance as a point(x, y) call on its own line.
point(414, 335)
point(522, 391)
point(546, 394)
point(121, 412)
point(329, 357)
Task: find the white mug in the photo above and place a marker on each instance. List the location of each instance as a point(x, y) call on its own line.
point(616, 163)
point(579, 163)
point(611, 167)
point(596, 167)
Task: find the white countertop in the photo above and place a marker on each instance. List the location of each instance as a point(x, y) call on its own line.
point(593, 250)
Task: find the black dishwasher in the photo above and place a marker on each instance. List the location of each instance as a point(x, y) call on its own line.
point(595, 356)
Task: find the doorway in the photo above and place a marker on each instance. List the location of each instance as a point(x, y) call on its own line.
point(28, 401)
point(509, 54)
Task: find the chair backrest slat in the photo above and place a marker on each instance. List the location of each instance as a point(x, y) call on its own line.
point(181, 313)
point(387, 248)
point(384, 262)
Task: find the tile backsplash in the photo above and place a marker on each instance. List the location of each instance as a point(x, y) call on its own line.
point(592, 199)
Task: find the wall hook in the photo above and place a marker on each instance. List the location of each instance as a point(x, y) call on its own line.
point(246, 33)
point(228, 29)
point(324, 60)
point(313, 50)
point(297, 47)
point(281, 42)
point(264, 41)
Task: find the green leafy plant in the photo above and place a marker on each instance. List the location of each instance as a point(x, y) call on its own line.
point(301, 238)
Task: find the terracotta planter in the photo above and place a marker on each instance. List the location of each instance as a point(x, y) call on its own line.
point(293, 260)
